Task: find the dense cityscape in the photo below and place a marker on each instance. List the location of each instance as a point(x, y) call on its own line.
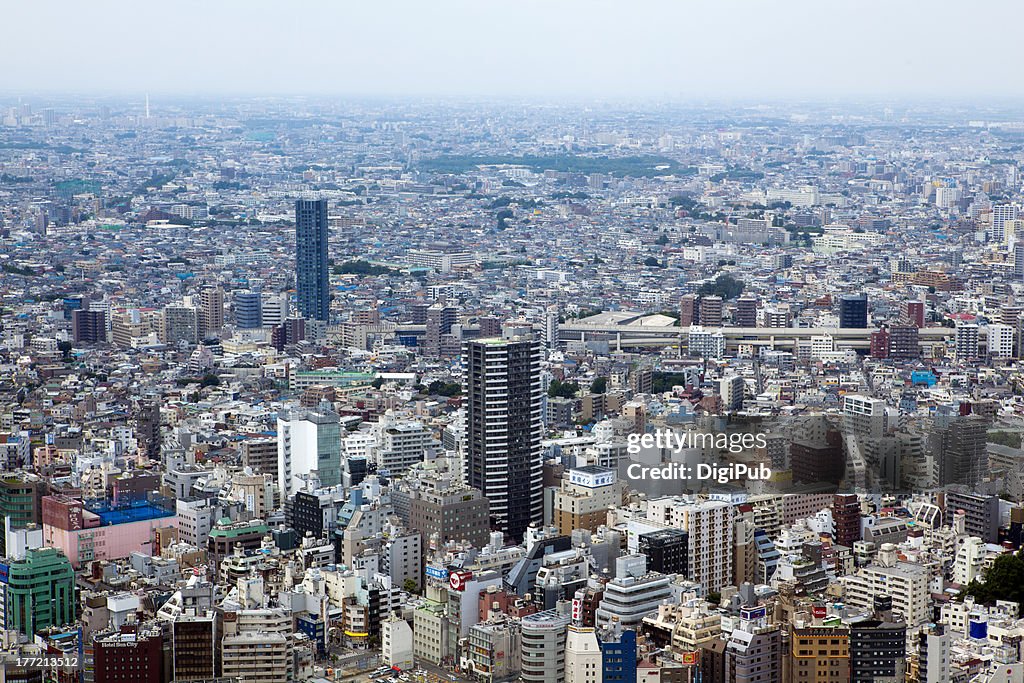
point(394, 390)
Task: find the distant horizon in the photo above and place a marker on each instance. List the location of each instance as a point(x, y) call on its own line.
point(862, 102)
point(723, 50)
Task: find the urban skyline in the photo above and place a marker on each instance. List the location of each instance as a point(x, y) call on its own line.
point(460, 342)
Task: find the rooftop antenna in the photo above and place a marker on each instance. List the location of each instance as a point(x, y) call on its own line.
point(147, 105)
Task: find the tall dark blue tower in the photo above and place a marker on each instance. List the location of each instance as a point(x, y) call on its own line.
point(853, 311)
point(311, 277)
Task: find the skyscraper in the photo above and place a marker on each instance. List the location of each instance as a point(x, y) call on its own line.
point(311, 275)
point(503, 388)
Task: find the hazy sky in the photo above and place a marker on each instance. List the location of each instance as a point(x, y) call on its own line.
point(681, 48)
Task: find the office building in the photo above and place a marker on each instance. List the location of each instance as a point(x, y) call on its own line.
point(618, 654)
point(226, 535)
point(257, 655)
point(21, 502)
point(853, 310)
point(633, 593)
point(878, 650)
point(666, 551)
point(819, 654)
point(504, 403)
point(543, 647)
point(495, 649)
point(274, 309)
point(39, 592)
point(582, 655)
point(308, 441)
point(89, 327)
point(194, 648)
point(584, 498)
point(260, 455)
point(311, 276)
point(248, 310)
point(315, 513)
point(442, 508)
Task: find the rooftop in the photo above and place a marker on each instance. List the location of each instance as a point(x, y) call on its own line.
point(123, 514)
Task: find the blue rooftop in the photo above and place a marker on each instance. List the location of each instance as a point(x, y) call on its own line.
point(123, 514)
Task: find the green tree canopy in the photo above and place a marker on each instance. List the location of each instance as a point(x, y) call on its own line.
point(1003, 581)
point(725, 286)
point(562, 389)
point(444, 388)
